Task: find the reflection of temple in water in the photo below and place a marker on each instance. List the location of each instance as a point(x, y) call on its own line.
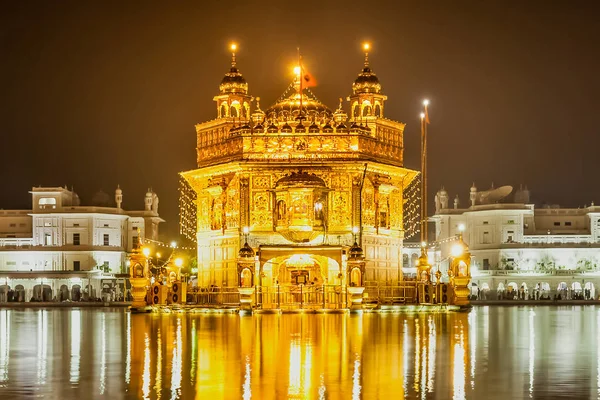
point(223, 356)
point(299, 184)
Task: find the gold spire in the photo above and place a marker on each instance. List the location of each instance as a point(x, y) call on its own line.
point(233, 48)
point(366, 47)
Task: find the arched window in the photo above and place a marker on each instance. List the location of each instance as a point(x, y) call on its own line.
point(366, 110)
point(234, 112)
point(223, 112)
point(355, 111)
point(377, 110)
point(405, 261)
point(281, 211)
point(246, 278)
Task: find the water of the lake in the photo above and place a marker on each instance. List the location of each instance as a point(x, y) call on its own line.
point(490, 353)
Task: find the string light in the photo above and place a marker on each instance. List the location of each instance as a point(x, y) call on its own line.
point(168, 245)
point(188, 208)
point(412, 214)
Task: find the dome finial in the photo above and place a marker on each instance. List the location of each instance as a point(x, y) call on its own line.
point(366, 47)
point(233, 48)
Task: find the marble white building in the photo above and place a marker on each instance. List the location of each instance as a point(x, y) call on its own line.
point(514, 243)
point(59, 248)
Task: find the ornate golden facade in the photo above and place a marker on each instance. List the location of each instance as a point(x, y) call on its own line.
point(307, 182)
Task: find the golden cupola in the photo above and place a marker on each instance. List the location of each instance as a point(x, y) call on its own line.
point(233, 100)
point(287, 107)
point(366, 100)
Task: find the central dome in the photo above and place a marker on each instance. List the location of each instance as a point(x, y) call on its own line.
point(288, 106)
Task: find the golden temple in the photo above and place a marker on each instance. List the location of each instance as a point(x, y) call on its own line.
point(298, 194)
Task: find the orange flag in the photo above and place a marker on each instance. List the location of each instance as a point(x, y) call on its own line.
point(306, 78)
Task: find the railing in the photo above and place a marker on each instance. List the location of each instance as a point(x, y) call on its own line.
point(304, 296)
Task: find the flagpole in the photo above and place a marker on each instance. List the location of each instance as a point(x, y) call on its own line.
point(423, 180)
point(425, 122)
point(300, 78)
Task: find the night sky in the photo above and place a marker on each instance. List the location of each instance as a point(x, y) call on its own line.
point(95, 94)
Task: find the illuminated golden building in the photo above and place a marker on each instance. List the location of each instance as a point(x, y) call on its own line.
point(298, 193)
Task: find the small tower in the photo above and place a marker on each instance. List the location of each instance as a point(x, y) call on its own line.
point(148, 200)
point(366, 102)
point(473, 194)
point(233, 100)
point(456, 202)
point(119, 197)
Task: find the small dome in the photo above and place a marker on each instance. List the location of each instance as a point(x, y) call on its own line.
point(327, 128)
point(300, 179)
point(356, 253)
point(259, 127)
point(272, 128)
point(118, 191)
point(366, 82)
point(314, 128)
point(300, 128)
point(286, 128)
point(246, 251)
point(233, 82)
point(355, 127)
point(341, 128)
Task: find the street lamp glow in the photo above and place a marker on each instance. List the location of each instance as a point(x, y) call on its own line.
point(355, 230)
point(246, 230)
point(423, 244)
point(178, 262)
point(233, 47)
point(173, 244)
point(461, 227)
point(422, 115)
point(366, 46)
point(425, 102)
point(456, 250)
point(157, 255)
point(146, 251)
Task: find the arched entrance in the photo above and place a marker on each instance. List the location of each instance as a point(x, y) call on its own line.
point(4, 289)
point(76, 293)
point(63, 293)
point(512, 290)
point(42, 293)
point(19, 293)
point(589, 291)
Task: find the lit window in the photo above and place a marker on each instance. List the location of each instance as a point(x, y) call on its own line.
point(47, 202)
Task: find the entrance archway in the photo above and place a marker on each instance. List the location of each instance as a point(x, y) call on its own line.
point(589, 291)
point(19, 293)
point(76, 293)
point(63, 293)
point(42, 293)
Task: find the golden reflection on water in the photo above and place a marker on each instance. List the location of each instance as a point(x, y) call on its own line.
point(80, 354)
point(296, 356)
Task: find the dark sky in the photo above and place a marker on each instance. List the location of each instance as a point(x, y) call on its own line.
point(99, 93)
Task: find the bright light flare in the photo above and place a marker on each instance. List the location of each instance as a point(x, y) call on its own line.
point(246, 230)
point(425, 102)
point(297, 70)
point(146, 251)
point(366, 46)
point(178, 262)
point(422, 115)
point(457, 250)
point(173, 244)
point(233, 47)
point(461, 227)
point(355, 230)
